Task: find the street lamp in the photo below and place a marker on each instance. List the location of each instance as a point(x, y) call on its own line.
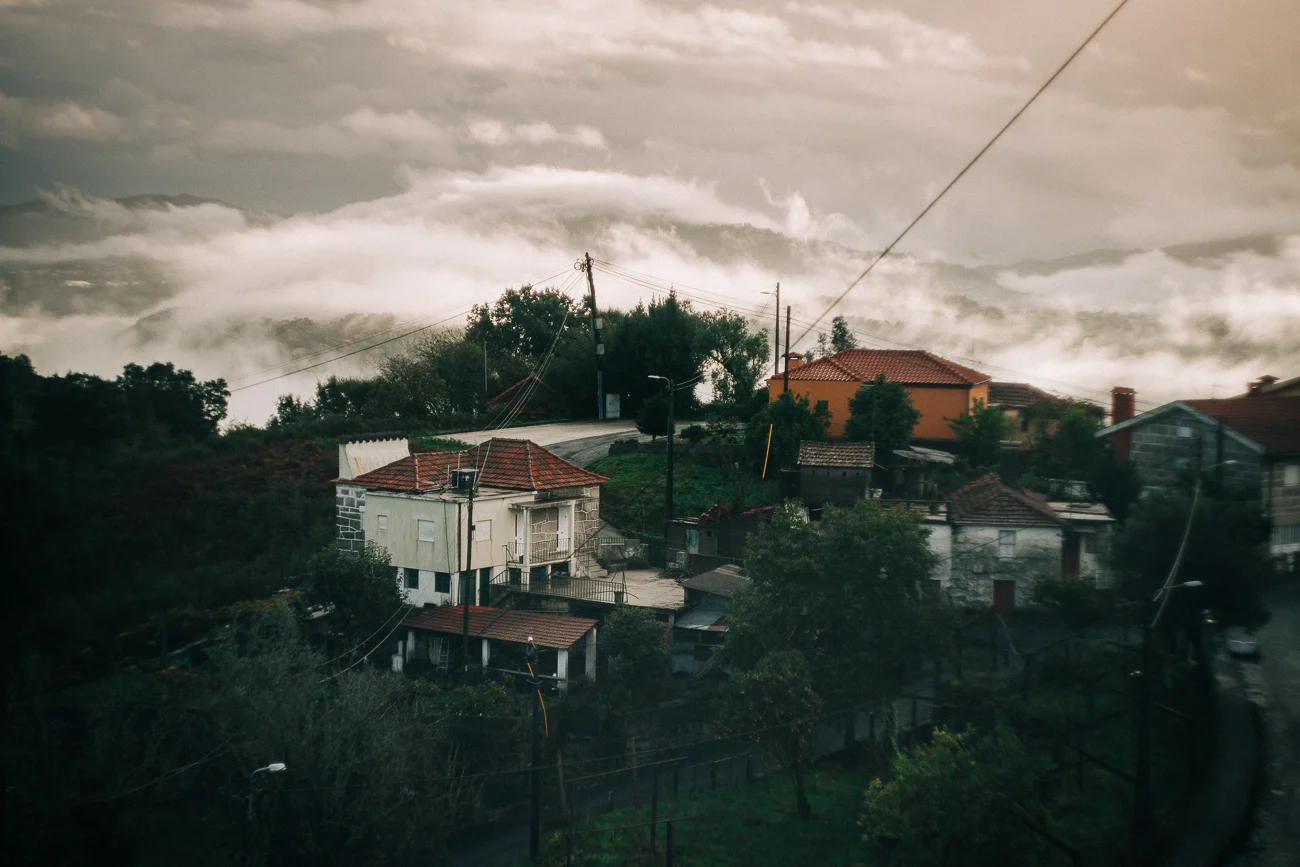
point(273, 768)
point(668, 490)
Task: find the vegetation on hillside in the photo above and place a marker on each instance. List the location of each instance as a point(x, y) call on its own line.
point(633, 498)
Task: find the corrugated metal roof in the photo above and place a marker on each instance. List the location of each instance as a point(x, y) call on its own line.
point(708, 616)
point(723, 581)
point(556, 631)
point(851, 455)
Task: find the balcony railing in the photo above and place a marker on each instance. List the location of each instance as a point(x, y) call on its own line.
point(542, 548)
point(565, 587)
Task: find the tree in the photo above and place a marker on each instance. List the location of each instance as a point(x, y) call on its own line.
point(841, 337)
point(660, 340)
point(858, 586)
point(736, 355)
point(790, 420)
point(1226, 551)
point(361, 587)
point(652, 418)
point(957, 800)
point(632, 639)
point(980, 433)
point(881, 412)
point(173, 399)
point(774, 704)
point(523, 322)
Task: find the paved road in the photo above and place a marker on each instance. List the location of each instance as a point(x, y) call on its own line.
point(1274, 686)
point(555, 432)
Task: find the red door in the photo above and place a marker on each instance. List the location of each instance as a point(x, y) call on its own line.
point(1004, 597)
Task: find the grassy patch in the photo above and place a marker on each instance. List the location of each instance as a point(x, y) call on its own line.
point(634, 497)
point(738, 825)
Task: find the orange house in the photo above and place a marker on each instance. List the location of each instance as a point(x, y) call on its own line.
point(939, 388)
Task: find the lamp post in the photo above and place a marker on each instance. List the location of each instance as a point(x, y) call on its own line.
point(668, 490)
point(273, 768)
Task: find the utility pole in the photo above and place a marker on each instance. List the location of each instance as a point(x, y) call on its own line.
point(467, 577)
point(485, 377)
point(535, 787)
point(1142, 785)
point(672, 427)
point(595, 336)
point(785, 386)
point(776, 343)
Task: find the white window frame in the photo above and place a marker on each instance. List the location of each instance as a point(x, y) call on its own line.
point(426, 530)
point(381, 522)
point(1290, 475)
point(483, 530)
point(1006, 544)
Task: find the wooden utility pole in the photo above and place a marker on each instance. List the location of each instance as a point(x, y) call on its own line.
point(776, 343)
point(595, 336)
point(535, 787)
point(785, 385)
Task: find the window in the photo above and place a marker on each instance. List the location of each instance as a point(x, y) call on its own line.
point(1182, 463)
point(482, 531)
point(382, 521)
point(427, 530)
point(1286, 534)
point(441, 582)
point(1184, 431)
point(1006, 543)
point(412, 579)
point(1089, 541)
point(1291, 475)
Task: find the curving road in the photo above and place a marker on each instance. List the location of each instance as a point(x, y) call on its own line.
point(1274, 687)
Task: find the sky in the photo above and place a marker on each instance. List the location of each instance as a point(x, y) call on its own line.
point(359, 165)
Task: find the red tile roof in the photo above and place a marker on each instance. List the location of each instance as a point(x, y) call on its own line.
point(557, 631)
point(1273, 422)
point(990, 500)
point(904, 366)
point(515, 465)
point(1017, 394)
point(852, 455)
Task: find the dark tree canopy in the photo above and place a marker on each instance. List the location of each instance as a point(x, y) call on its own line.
point(524, 321)
point(1225, 551)
point(361, 587)
point(881, 412)
point(652, 418)
point(736, 356)
point(789, 419)
point(980, 433)
point(661, 340)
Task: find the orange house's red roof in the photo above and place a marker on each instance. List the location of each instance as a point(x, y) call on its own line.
point(904, 366)
point(515, 465)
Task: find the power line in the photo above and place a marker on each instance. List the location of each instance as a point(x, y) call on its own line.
point(934, 201)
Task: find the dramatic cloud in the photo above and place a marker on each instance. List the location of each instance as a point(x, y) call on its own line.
point(26, 119)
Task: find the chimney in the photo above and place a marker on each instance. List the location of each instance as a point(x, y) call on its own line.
point(1121, 409)
point(1259, 386)
point(794, 360)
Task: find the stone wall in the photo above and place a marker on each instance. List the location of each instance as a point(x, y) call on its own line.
point(977, 562)
point(1164, 450)
point(349, 508)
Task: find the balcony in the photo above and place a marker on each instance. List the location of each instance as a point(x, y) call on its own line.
point(561, 587)
point(540, 549)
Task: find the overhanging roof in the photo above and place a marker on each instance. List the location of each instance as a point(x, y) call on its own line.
point(556, 631)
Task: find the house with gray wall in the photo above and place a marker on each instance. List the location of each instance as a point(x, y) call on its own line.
point(1250, 442)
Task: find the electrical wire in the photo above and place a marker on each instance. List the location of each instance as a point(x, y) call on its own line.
point(966, 168)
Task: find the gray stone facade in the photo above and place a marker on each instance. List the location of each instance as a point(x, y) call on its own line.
point(1165, 449)
point(978, 562)
point(349, 508)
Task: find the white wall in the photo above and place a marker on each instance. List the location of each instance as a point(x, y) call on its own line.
point(941, 545)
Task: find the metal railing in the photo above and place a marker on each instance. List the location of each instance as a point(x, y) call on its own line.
point(567, 587)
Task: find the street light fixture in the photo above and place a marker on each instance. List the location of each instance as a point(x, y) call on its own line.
point(273, 768)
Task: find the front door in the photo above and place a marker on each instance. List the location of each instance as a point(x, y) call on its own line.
point(1004, 597)
point(563, 542)
point(1070, 554)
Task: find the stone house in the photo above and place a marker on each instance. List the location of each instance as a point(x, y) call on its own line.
point(534, 519)
point(1250, 442)
point(1002, 540)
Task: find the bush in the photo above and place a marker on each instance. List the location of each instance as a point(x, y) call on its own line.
point(695, 433)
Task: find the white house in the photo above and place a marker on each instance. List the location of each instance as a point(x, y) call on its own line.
point(1001, 540)
point(506, 512)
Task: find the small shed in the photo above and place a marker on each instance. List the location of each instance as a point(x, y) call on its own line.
point(434, 635)
point(838, 474)
point(699, 629)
